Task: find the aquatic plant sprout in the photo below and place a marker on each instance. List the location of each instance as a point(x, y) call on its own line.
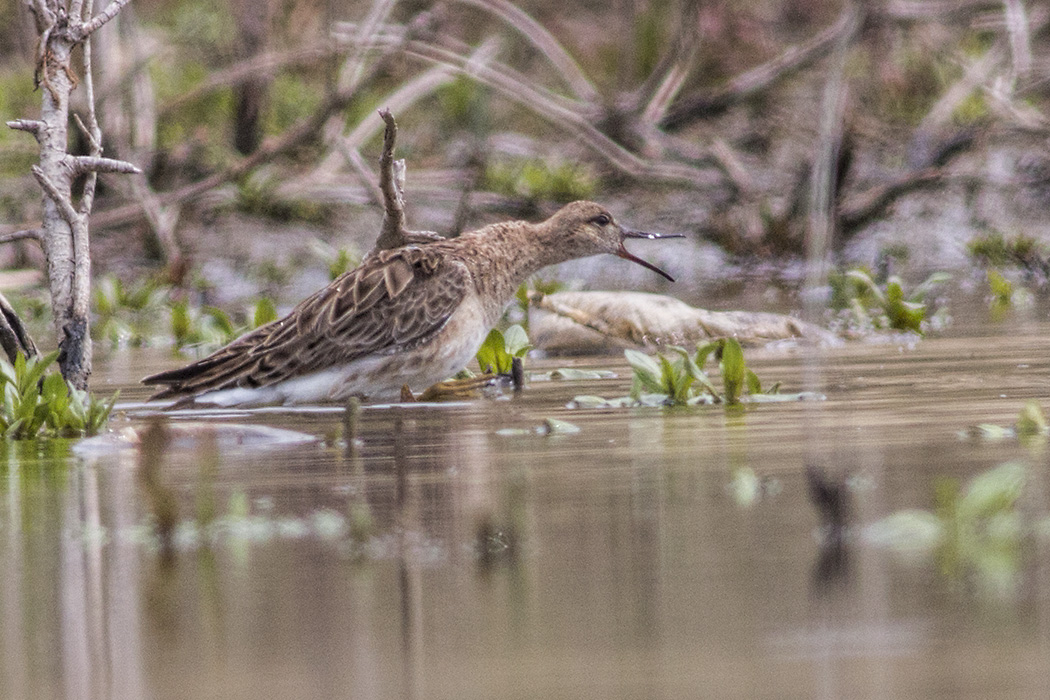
point(38, 405)
point(886, 306)
point(679, 380)
point(499, 350)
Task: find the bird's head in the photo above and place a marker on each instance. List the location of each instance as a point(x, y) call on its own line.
point(586, 228)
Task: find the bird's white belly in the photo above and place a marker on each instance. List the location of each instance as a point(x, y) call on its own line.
point(374, 376)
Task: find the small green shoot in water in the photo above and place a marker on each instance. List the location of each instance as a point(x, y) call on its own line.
point(35, 405)
point(498, 351)
point(888, 306)
point(681, 381)
point(1031, 427)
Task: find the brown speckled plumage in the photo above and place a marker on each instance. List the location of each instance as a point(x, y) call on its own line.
point(383, 322)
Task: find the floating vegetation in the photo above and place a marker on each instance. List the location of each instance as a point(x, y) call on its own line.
point(1005, 295)
point(1031, 423)
point(974, 533)
point(572, 374)
point(549, 426)
point(36, 404)
point(680, 380)
point(500, 349)
point(885, 307)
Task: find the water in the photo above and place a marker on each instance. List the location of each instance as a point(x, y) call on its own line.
point(653, 554)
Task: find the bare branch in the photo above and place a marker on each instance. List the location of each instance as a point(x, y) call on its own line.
point(761, 77)
point(88, 164)
point(364, 173)
point(404, 97)
point(42, 15)
point(522, 22)
point(392, 234)
point(576, 121)
point(1020, 41)
point(87, 28)
point(12, 236)
point(33, 126)
point(262, 64)
point(95, 145)
point(934, 9)
point(65, 207)
point(866, 206)
point(14, 338)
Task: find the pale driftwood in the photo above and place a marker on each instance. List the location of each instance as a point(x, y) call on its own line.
point(596, 322)
point(64, 231)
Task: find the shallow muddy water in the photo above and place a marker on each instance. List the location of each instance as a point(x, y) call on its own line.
point(655, 553)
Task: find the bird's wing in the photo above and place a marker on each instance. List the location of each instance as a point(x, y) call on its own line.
point(395, 301)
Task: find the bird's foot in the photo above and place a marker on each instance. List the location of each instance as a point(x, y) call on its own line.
point(453, 389)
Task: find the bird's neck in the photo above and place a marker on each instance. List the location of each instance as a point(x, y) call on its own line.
point(502, 256)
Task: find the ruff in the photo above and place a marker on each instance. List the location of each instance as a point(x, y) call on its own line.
point(413, 315)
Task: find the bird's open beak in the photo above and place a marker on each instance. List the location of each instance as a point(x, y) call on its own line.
point(633, 258)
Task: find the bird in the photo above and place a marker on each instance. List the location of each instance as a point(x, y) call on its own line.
point(413, 315)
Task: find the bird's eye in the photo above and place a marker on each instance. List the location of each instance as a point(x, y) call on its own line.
point(601, 220)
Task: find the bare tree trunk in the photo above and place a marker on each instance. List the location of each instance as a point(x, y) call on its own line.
point(64, 235)
point(253, 21)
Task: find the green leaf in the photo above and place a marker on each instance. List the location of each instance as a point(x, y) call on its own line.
point(222, 321)
point(489, 352)
point(867, 284)
point(993, 491)
point(263, 313)
point(646, 370)
point(754, 384)
point(516, 342)
point(693, 369)
point(927, 285)
point(704, 351)
point(1031, 421)
point(733, 369)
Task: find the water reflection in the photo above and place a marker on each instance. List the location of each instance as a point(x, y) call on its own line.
point(420, 552)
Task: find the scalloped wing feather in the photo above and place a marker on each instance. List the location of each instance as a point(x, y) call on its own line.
point(394, 302)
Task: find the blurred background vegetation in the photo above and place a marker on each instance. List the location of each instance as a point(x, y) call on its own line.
point(255, 125)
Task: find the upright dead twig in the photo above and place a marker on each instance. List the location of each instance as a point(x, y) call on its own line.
point(64, 232)
point(393, 234)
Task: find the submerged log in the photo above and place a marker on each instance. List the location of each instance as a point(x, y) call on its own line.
point(596, 322)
